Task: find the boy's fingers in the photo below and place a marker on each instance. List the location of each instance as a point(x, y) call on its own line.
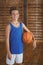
point(34, 44)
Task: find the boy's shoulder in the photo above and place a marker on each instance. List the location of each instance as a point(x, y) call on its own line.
point(8, 26)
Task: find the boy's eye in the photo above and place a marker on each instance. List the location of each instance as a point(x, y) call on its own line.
point(14, 13)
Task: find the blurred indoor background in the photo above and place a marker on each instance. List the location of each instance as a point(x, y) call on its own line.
point(31, 13)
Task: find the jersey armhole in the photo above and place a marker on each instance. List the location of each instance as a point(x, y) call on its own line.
point(21, 24)
point(10, 26)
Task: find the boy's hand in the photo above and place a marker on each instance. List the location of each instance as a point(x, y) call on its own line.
point(9, 56)
point(34, 44)
point(34, 41)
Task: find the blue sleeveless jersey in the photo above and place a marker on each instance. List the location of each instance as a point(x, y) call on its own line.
point(15, 39)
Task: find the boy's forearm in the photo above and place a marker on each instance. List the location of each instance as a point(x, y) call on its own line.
point(7, 47)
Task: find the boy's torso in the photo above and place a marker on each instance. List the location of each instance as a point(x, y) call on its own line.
point(16, 44)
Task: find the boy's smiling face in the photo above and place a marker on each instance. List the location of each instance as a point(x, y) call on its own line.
point(15, 14)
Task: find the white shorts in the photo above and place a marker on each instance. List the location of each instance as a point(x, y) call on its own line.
point(18, 58)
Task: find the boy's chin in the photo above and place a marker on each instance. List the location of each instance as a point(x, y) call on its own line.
point(16, 19)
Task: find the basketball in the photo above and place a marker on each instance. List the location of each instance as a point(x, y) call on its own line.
point(27, 37)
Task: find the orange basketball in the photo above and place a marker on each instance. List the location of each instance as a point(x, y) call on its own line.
point(27, 38)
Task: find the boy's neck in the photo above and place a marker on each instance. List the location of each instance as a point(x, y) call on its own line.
point(15, 21)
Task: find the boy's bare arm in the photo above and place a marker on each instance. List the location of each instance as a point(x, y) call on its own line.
point(7, 38)
point(7, 41)
point(25, 28)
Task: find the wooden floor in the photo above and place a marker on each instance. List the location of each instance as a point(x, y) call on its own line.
point(31, 57)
